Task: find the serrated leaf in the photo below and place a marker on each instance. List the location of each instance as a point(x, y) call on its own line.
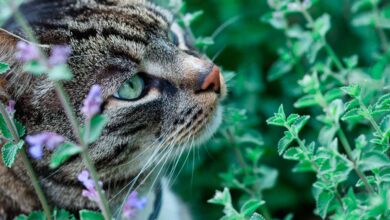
point(306, 101)
point(96, 128)
point(63, 153)
point(353, 115)
point(299, 123)
point(292, 118)
point(90, 215)
point(352, 90)
point(372, 160)
point(294, 153)
point(285, 142)
point(323, 202)
point(251, 206)
point(4, 68)
point(385, 124)
point(221, 198)
point(9, 152)
point(351, 104)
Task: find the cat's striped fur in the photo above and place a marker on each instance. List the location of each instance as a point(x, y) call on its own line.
point(111, 41)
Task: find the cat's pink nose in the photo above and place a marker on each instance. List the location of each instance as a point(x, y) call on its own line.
point(210, 81)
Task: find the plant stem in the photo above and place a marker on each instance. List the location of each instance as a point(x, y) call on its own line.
point(26, 162)
point(328, 48)
point(84, 153)
point(315, 166)
point(381, 32)
point(348, 150)
point(370, 118)
point(69, 113)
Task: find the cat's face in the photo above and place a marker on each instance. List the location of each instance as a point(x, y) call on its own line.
point(160, 93)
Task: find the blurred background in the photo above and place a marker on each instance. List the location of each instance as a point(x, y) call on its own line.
point(249, 47)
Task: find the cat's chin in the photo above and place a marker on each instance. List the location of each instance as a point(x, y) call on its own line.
point(209, 130)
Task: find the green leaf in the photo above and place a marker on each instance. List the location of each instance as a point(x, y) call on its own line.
point(303, 166)
point(279, 69)
point(21, 217)
point(351, 62)
point(306, 101)
point(63, 153)
point(90, 215)
point(63, 215)
point(20, 128)
point(9, 152)
point(257, 216)
point(370, 179)
point(251, 206)
point(37, 216)
point(285, 142)
point(60, 72)
point(96, 128)
point(323, 202)
point(333, 94)
point(299, 123)
point(336, 109)
point(4, 129)
point(292, 118)
point(322, 25)
point(4, 68)
point(35, 68)
point(372, 160)
point(385, 124)
point(352, 90)
point(353, 115)
point(221, 198)
point(294, 153)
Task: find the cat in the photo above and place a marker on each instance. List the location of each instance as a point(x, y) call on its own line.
point(161, 97)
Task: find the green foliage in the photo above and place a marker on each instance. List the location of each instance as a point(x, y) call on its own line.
point(56, 214)
point(11, 147)
point(90, 215)
point(63, 153)
point(247, 210)
point(3, 67)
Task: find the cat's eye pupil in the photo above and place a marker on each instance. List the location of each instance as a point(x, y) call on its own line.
point(131, 90)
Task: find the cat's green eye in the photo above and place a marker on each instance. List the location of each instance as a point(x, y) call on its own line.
point(132, 89)
point(173, 38)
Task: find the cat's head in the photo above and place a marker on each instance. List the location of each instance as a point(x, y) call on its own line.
point(160, 93)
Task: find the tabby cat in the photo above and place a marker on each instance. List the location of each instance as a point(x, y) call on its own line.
point(161, 97)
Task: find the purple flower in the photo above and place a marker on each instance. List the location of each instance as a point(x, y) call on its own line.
point(59, 55)
point(90, 190)
point(133, 204)
point(27, 52)
point(93, 102)
point(11, 107)
point(49, 139)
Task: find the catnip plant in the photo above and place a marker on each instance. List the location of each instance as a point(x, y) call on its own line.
point(350, 155)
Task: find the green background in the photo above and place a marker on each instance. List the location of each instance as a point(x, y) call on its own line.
point(249, 48)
